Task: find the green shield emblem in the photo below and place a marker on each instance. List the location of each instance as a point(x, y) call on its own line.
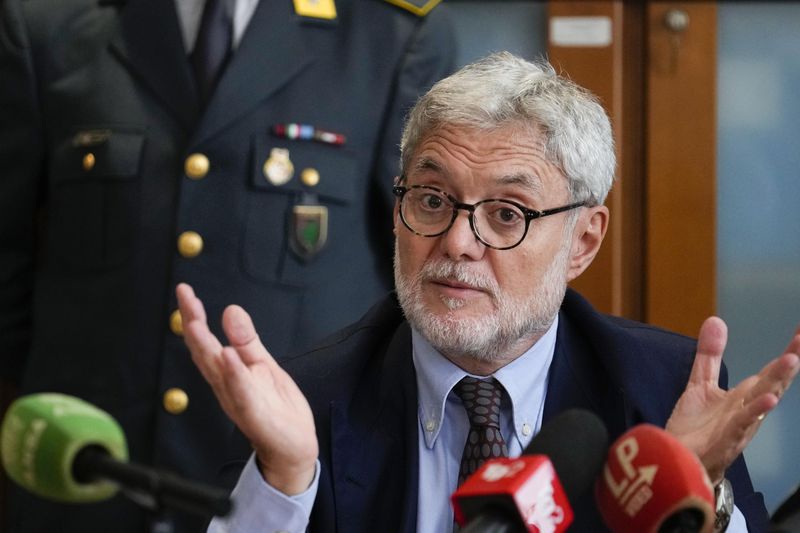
point(308, 231)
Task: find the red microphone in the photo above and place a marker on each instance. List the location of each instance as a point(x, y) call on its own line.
point(526, 488)
point(653, 483)
point(533, 492)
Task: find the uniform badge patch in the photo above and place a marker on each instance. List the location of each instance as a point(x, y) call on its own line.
point(318, 9)
point(308, 231)
point(278, 168)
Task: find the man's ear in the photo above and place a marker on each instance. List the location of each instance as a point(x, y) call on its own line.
point(586, 239)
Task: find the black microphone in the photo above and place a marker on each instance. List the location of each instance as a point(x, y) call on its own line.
point(62, 448)
point(533, 492)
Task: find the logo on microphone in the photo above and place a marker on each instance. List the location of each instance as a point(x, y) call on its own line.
point(497, 471)
point(635, 488)
point(545, 514)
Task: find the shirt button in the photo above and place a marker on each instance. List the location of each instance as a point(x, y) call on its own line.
point(430, 425)
point(176, 322)
point(176, 401)
point(196, 166)
point(88, 162)
point(190, 244)
point(526, 429)
point(309, 177)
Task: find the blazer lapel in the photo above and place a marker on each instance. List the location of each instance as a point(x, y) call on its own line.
point(150, 45)
point(579, 379)
point(272, 51)
point(374, 445)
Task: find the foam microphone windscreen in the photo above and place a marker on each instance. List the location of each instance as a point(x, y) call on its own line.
point(41, 436)
point(653, 483)
point(533, 492)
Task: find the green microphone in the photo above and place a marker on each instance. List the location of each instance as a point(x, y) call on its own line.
point(62, 448)
point(42, 435)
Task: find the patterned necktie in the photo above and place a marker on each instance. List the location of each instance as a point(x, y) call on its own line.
point(213, 46)
point(481, 399)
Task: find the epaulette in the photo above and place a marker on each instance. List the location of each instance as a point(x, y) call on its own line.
point(418, 7)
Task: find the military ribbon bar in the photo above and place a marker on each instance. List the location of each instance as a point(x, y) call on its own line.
point(307, 132)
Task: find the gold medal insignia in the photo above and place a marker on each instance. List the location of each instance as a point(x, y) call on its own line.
point(278, 168)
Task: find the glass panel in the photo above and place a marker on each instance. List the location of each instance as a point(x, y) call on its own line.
point(493, 26)
point(758, 217)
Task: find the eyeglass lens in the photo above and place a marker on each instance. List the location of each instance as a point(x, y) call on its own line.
point(496, 222)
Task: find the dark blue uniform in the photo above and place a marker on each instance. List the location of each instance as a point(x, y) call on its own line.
point(115, 185)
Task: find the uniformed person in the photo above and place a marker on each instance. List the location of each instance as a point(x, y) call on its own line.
point(122, 174)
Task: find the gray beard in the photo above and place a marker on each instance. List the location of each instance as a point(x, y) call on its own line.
point(489, 338)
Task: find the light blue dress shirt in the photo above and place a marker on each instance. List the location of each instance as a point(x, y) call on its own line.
point(443, 422)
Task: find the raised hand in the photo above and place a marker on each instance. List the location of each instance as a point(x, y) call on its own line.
point(717, 424)
point(255, 392)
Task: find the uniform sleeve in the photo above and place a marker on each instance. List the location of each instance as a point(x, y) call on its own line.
point(259, 507)
point(20, 190)
point(429, 57)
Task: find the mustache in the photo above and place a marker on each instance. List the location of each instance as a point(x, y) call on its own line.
point(460, 272)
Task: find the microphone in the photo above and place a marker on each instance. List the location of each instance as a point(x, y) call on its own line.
point(653, 483)
point(62, 448)
point(532, 492)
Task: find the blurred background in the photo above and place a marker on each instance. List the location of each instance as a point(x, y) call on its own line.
point(704, 99)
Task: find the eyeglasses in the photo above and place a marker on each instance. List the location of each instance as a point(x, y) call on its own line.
point(499, 224)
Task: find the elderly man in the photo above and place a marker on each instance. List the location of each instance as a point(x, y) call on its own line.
point(500, 204)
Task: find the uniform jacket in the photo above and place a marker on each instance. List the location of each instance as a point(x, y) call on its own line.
point(99, 116)
point(362, 388)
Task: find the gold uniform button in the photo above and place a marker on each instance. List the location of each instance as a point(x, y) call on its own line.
point(176, 322)
point(176, 401)
point(196, 166)
point(88, 162)
point(190, 244)
point(309, 176)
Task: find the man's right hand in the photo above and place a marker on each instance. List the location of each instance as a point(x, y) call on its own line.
point(255, 392)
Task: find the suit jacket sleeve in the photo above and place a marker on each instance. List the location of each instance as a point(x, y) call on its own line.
point(20, 188)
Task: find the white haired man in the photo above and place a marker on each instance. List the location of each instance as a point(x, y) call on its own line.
point(499, 205)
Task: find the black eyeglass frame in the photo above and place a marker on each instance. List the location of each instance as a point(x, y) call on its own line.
point(530, 214)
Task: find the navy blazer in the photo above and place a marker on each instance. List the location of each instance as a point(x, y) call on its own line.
point(99, 115)
point(361, 386)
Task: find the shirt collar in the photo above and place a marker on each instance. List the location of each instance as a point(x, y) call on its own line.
point(524, 379)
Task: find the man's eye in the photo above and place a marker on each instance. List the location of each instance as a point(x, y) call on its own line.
point(507, 215)
point(431, 201)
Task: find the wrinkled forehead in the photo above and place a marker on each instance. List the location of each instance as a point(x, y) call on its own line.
point(511, 156)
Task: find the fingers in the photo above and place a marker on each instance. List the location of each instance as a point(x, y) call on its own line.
point(190, 305)
point(794, 344)
point(241, 333)
point(238, 380)
point(203, 345)
point(711, 343)
point(775, 378)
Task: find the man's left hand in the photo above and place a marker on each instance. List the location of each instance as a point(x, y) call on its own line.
point(717, 424)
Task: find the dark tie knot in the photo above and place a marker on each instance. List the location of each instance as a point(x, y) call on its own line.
point(481, 399)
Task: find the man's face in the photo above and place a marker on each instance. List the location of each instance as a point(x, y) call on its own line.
point(467, 299)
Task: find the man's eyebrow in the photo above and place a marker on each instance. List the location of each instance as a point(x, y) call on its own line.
point(529, 181)
point(427, 163)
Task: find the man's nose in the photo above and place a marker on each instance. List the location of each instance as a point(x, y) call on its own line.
point(460, 242)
